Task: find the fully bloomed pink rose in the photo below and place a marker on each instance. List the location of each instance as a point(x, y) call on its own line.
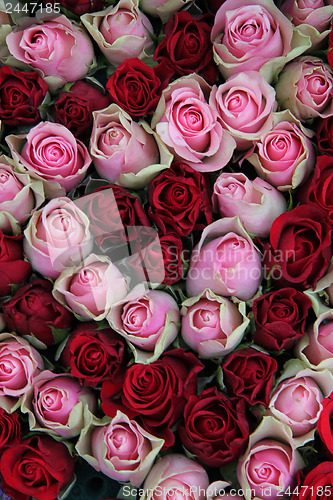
point(56, 235)
point(60, 49)
point(256, 202)
point(57, 404)
point(245, 105)
point(253, 35)
point(225, 261)
point(189, 126)
point(51, 153)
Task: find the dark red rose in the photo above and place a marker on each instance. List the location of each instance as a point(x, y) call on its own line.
point(325, 424)
point(114, 215)
point(33, 311)
point(249, 374)
point(94, 355)
point(300, 248)
point(319, 188)
point(156, 392)
point(324, 136)
point(186, 46)
point(21, 94)
point(216, 429)
point(180, 200)
point(10, 429)
point(38, 467)
point(13, 269)
point(80, 7)
point(330, 50)
point(280, 318)
point(317, 484)
point(136, 87)
point(74, 108)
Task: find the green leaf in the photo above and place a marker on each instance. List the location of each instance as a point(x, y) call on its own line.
point(59, 334)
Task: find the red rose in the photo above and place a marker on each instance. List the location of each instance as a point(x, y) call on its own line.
point(325, 424)
point(80, 7)
point(180, 200)
point(13, 269)
point(95, 355)
point(330, 50)
point(300, 248)
point(10, 429)
point(136, 87)
point(186, 46)
point(249, 374)
point(324, 136)
point(156, 392)
point(74, 108)
point(319, 188)
point(216, 429)
point(38, 467)
point(317, 484)
point(21, 94)
point(33, 311)
point(111, 209)
point(280, 318)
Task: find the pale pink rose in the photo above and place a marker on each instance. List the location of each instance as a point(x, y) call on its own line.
point(305, 86)
point(57, 235)
point(256, 202)
point(149, 321)
point(19, 364)
point(162, 8)
point(121, 31)
point(85, 289)
point(297, 400)
point(189, 126)
point(253, 35)
point(228, 263)
point(175, 476)
point(245, 105)
point(316, 347)
point(212, 325)
point(56, 404)
point(119, 448)
point(53, 45)
point(51, 153)
point(284, 156)
point(219, 490)
point(120, 146)
point(270, 463)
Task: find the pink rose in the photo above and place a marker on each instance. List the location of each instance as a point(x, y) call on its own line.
point(305, 86)
point(57, 235)
point(85, 289)
point(122, 149)
point(256, 202)
point(51, 153)
point(270, 463)
point(163, 9)
point(176, 476)
point(254, 35)
point(148, 321)
point(284, 156)
point(245, 105)
point(121, 31)
point(189, 126)
point(212, 325)
point(120, 448)
point(61, 50)
point(57, 404)
point(228, 263)
point(19, 364)
point(316, 347)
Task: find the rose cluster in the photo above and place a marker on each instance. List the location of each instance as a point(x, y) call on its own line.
point(166, 220)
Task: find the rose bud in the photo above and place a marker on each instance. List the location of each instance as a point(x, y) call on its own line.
point(14, 270)
point(121, 31)
point(229, 264)
point(33, 313)
point(50, 152)
point(305, 86)
point(212, 325)
point(57, 404)
point(60, 49)
point(256, 202)
point(85, 289)
point(120, 448)
point(149, 322)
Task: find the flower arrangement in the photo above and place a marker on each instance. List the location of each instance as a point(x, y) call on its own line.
point(166, 276)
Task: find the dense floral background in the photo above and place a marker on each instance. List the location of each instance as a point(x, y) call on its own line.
point(166, 215)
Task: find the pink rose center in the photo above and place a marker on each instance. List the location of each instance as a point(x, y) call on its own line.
point(191, 118)
point(232, 251)
point(204, 318)
point(10, 186)
point(234, 189)
point(122, 442)
point(325, 335)
point(136, 316)
point(317, 86)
